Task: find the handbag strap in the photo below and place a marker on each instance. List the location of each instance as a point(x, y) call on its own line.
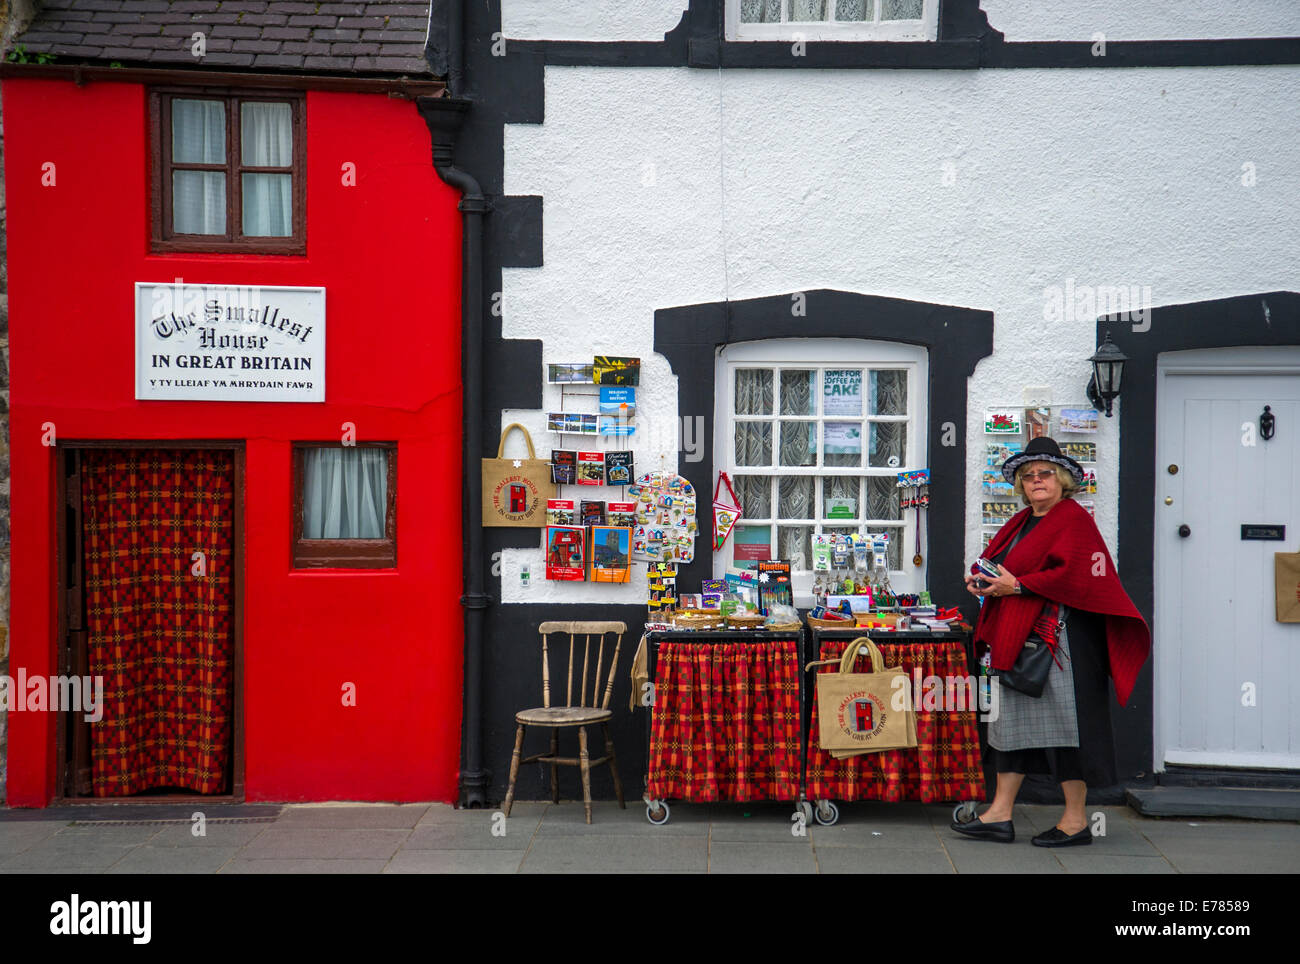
point(501, 446)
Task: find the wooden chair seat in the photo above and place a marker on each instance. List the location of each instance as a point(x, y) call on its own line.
point(591, 707)
point(563, 715)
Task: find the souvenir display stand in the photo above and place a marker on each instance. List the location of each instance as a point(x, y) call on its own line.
point(945, 766)
point(726, 719)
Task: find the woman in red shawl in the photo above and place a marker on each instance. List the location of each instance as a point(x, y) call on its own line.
point(1051, 554)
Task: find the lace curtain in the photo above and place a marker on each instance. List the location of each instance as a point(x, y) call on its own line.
point(769, 11)
point(266, 140)
point(198, 137)
point(344, 493)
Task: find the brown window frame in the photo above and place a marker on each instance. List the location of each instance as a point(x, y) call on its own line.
point(163, 238)
point(344, 553)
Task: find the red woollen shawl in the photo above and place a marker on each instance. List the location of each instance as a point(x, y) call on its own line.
point(1063, 558)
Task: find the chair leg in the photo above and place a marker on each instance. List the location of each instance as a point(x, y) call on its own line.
point(514, 767)
point(613, 765)
point(555, 767)
point(585, 762)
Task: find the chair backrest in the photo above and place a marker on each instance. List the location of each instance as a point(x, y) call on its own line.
point(589, 631)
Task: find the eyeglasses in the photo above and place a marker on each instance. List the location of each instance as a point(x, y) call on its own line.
point(1041, 474)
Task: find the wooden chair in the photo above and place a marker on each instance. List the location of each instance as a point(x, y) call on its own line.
point(581, 714)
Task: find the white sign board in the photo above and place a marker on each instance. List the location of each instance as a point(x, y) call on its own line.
point(229, 343)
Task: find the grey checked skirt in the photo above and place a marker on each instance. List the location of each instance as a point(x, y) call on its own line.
point(1051, 720)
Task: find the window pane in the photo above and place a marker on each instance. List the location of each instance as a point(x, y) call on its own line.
point(760, 11)
point(795, 498)
point(888, 442)
point(795, 544)
point(344, 493)
point(842, 391)
point(840, 497)
point(753, 391)
point(798, 393)
point(807, 9)
point(889, 392)
point(895, 553)
point(198, 131)
point(749, 544)
point(753, 443)
point(755, 495)
point(853, 9)
point(798, 443)
point(198, 202)
point(842, 443)
point(883, 498)
point(266, 134)
point(900, 9)
point(268, 205)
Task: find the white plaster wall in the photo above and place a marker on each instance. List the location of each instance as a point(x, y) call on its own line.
point(590, 19)
point(667, 187)
point(1143, 19)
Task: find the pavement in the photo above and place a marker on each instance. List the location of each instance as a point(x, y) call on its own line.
point(761, 838)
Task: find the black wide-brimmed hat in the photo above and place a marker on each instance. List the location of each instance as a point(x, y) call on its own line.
point(1042, 449)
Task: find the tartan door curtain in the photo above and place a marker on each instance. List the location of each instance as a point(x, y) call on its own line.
point(158, 547)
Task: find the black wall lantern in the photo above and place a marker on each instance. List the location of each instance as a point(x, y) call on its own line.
point(1266, 423)
point(1107, 369)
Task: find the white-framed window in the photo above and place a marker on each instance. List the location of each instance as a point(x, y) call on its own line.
point(815, 20)
point(813, 433)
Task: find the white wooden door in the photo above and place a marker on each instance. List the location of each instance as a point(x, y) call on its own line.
point(1227, 674)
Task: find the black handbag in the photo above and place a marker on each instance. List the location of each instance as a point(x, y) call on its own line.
point(1029, 673)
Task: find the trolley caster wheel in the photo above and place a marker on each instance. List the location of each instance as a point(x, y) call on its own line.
point(657, 814)
point(826, 814)
point(805, 811)
point(963, 812)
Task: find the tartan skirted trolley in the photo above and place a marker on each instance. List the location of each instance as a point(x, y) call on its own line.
point(734, 719)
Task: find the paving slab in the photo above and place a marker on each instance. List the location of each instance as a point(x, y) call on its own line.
point(520, 812)
point(214, 834)
point(173, 860)
point(470, 837)
point(1227, 855)
point(372, 817)
point(607, 854)
point(735, 857)
point(310, 866)
point(882, 860)
point(685, 820)
point(17, 837)
point(302, 843)
point(455, 862)
point(987, 857)
point(1086, 860)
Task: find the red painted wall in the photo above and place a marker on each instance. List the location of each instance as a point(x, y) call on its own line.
point(388, 253)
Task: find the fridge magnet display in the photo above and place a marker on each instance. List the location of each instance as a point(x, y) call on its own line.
point(1080, 451)
point(515, 490)
point(592, 513)
point(726, 511)
point(618, 401)
point(621, 513)
point(560, 512)
point(616, 370)
point(611, 559)
point(666, 520)
point(620, 427)
point(1002, 421)
point(564, 467)
point(662, 578)
point(618, 468)
point(569, 373)
point(774, 588)
point(996, 513)
point(1079, 420)
point(591, 468)
point(565, 553)
point(1038, 421)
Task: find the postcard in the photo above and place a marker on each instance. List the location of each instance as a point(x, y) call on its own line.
point(998, 452)
point(621, 513)
point(1002, 421)
point(615, 370)
point(560, 512)
point(1038, 421)
point(618, 468)
point(616, 426)
point(997, 486)
point(564, 466)
point(571, 373)
point(1079, 420)
point(592, 513)
point(1080, 451)
point(591, 468)
point(996, 513)
point(618, 401)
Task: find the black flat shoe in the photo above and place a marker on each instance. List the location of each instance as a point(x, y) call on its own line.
point(1056, 837)
point(1001, 832)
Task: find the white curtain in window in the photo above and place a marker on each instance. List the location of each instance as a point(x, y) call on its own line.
point(198, 137)
point(344, 493)
point(266, 140)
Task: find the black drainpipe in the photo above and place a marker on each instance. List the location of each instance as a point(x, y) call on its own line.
point(444, 115)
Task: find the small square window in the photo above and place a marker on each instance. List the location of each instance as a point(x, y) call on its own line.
point(817, 20)
point(228, 172)
point(344, 508)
